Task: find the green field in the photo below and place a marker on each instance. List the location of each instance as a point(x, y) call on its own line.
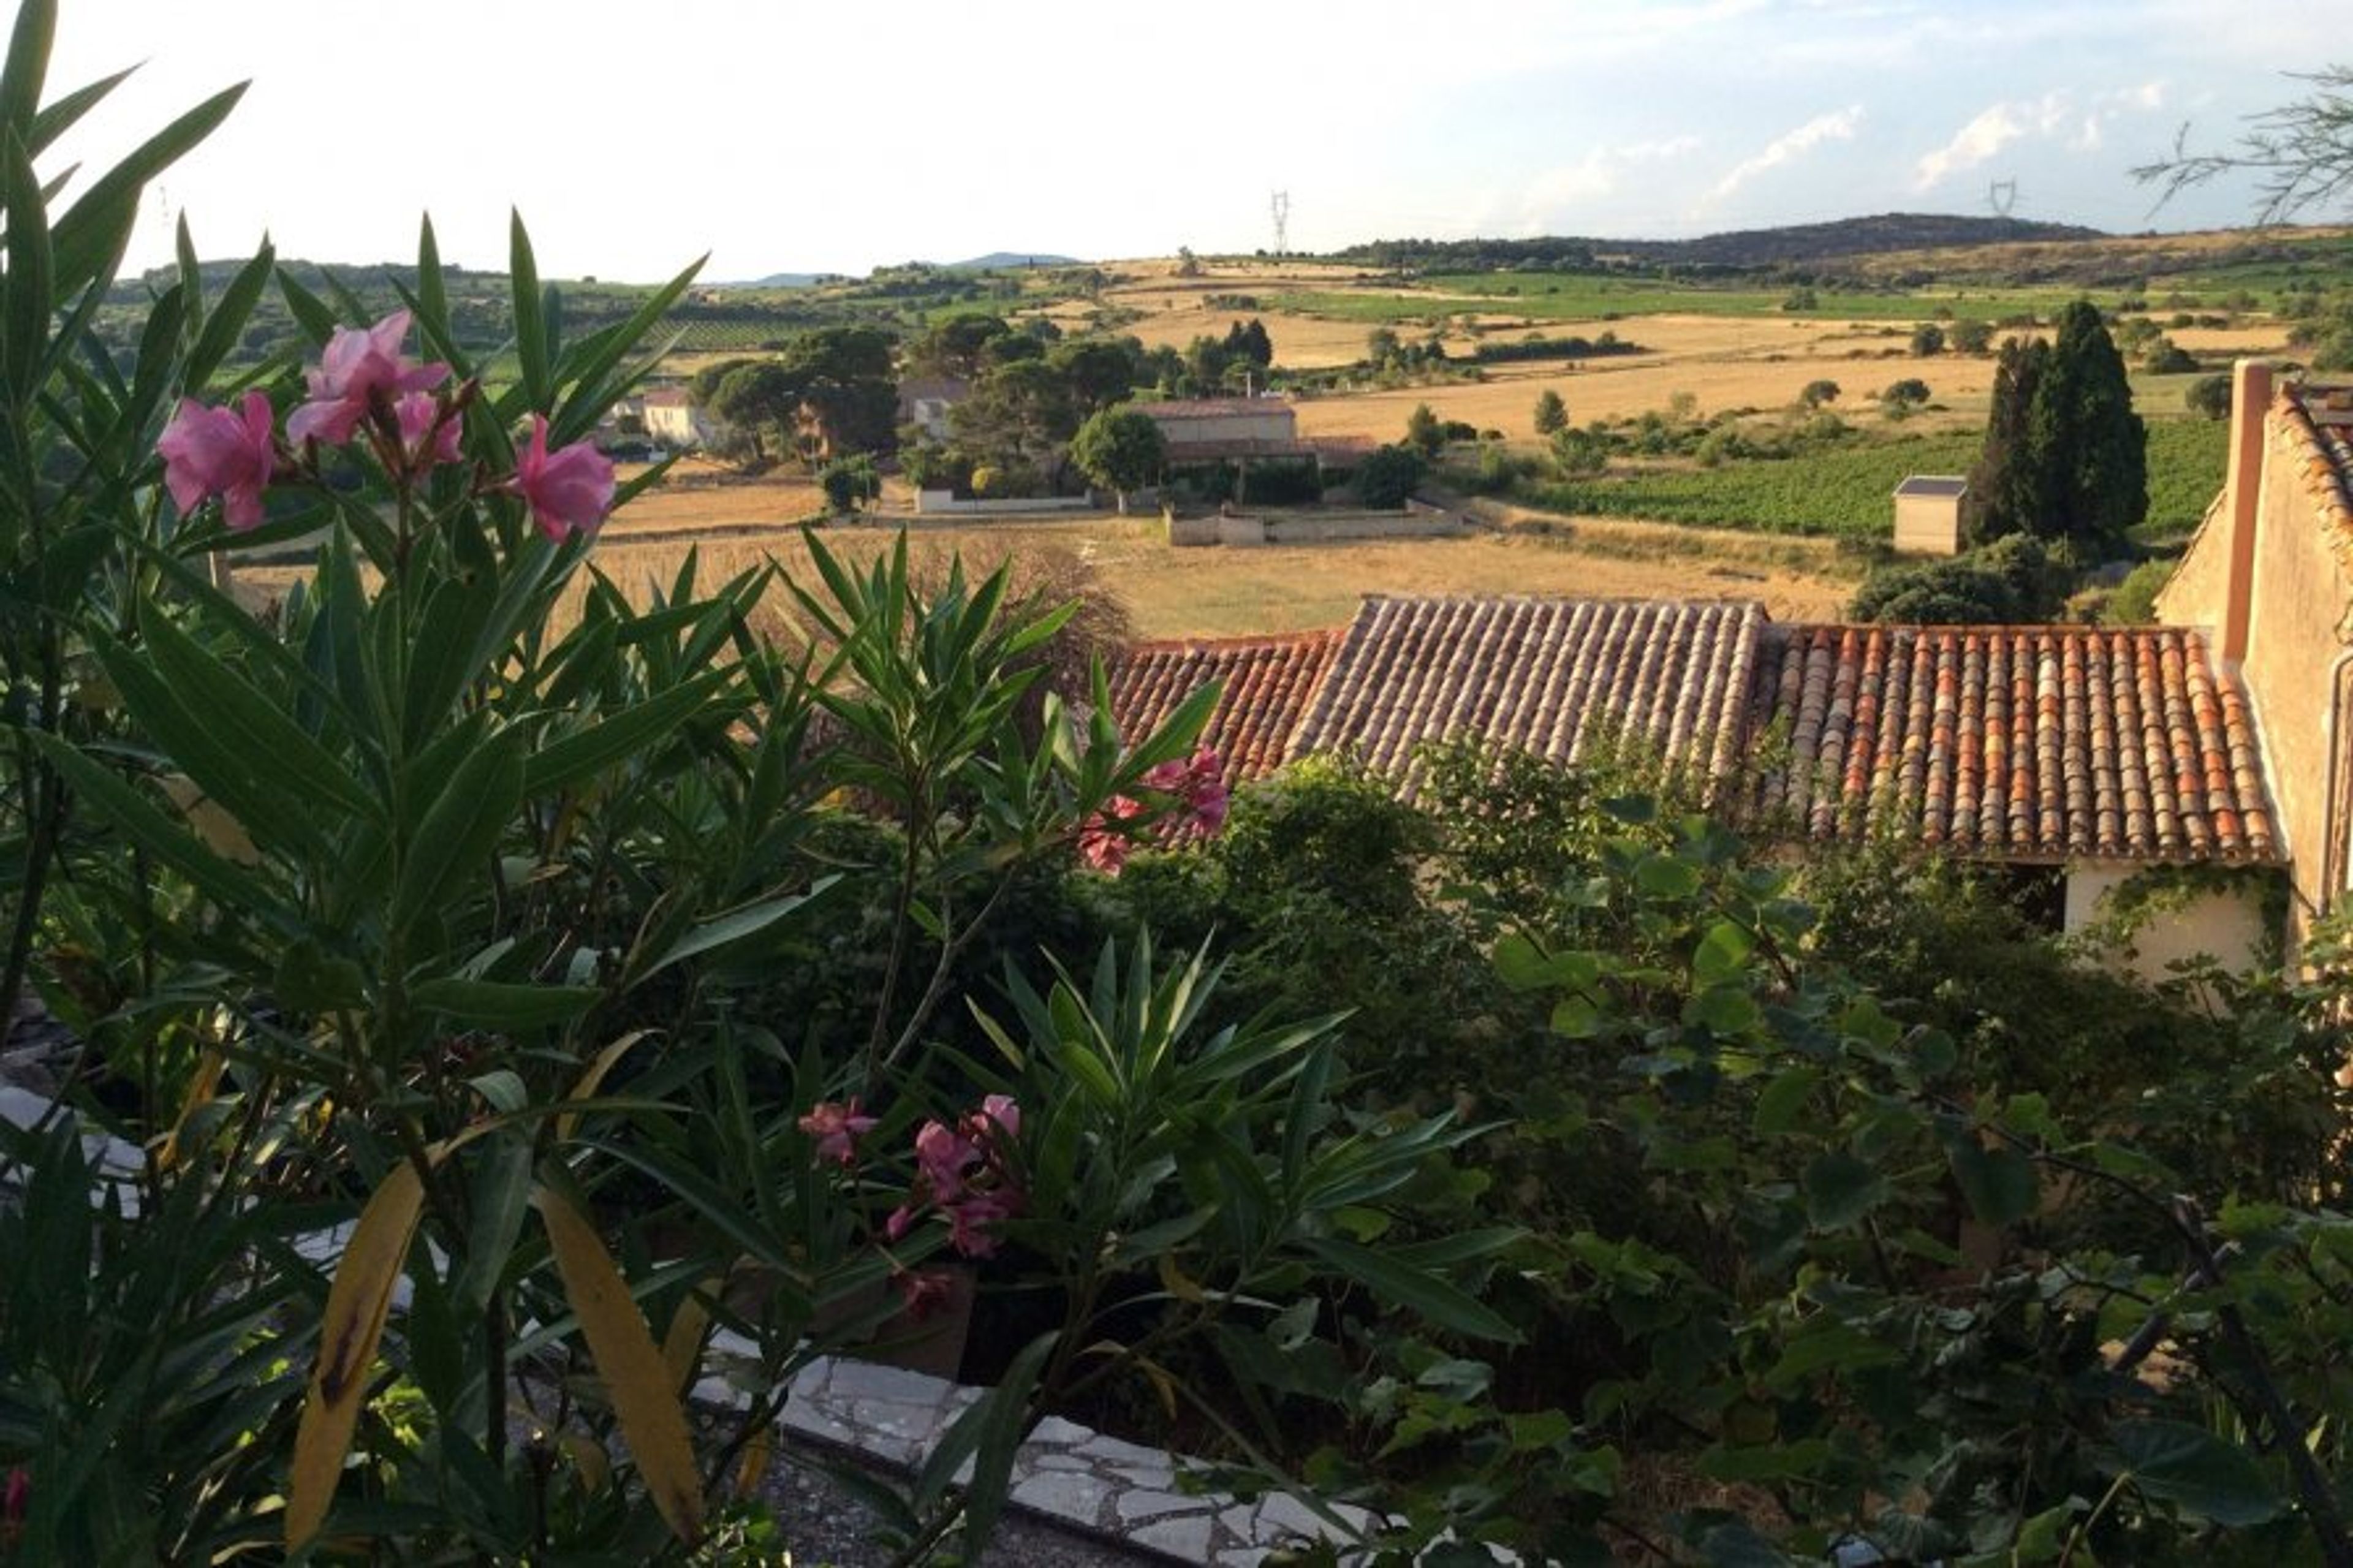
point(1587, 297)
point(1846, 492)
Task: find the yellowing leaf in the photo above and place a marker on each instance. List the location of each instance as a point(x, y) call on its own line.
point(754, 1466)
point(202, 1086)
point(220, 832)
point(635, 1377)
point(357, 1304)
point(682, 1345)
point(594, 1077)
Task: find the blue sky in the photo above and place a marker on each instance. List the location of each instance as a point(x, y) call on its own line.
point(786, 136)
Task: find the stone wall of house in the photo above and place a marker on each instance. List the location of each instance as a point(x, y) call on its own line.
point(2225, 921)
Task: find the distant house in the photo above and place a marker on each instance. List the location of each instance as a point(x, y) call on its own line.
point(1241, 430)
point(924, 402)
point(1928, 514)
point(2269, 576)
point(2091, 754)
point(672, 419)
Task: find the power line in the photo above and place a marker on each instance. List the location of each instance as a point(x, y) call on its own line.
point(1281, 221)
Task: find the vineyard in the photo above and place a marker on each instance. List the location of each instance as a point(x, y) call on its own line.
point(1845, 493)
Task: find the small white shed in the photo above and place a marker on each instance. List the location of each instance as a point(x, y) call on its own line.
point(1928, 514)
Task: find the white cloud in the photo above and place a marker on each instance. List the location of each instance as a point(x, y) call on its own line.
point(1551, 199)
point(2055, 116)
point(1837, 126)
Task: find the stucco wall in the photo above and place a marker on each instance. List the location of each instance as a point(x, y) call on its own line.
point(2193, 596)
point(2225, 923)
point(2298, 603)
point(1929, 525)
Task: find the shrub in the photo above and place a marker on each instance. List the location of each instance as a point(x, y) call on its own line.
point(1388, 475)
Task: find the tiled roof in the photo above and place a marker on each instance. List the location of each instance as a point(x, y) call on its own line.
point(1215, 407)
point(1266, 684)
point(1550, 676)
point(2320, 418)
point(2016, 742)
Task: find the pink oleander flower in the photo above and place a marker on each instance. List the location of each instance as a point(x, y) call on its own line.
point(223, 452)
point(837, 1129)
point(1199, 786)
point(1101, 844)
point(920, 1293)
point(429, 435)
point(360, 367)
point(15, 1501)
point(999, 1117)
point(901, 1221)
point(969, 1223)
point(941, 1157)
point(570, 490)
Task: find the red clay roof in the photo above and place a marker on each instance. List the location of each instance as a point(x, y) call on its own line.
point(1215, 407)
point(2031, 744)
point(2321, 418)
point(1550, 676)
point(2014, 742)
point(1268, 683)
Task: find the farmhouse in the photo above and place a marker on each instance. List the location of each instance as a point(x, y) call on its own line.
point(2093, 755)
point(672, 419)
point(924, 402)
point(1242, 430)
point(2269, 578)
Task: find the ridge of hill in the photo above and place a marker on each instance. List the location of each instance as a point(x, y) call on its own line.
point(1787, 244)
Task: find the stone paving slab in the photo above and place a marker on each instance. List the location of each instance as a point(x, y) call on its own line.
point(1064, 1472)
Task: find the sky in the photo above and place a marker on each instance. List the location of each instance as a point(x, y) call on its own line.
point(782, 136)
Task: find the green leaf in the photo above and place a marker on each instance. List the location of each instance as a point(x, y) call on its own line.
point(530, 316)
point(252, 733)
point(225, 884)
point(28, 63)
point(2196, 1471)
point(458, 833)
point(633, 731)
point(1840, 1189)
point(1781, 1101)
point(224, 326)
point(736, 926)
point(2000, 1183)
point(92, 233)
point(1399, 1285)
point(311, 980)
point(24, 327)
point(504, 1004)
point(1666, 876)
point(497, 1196)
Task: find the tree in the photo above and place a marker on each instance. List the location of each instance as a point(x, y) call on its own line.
point(1552, 414)
point(1817, 393)
point(2065, 458)
point(2209, 396)
point(1388, 475)
point(849, 481)
point(1187, 264)
point(1121, 450)
point(1903, 395)
point(1099, 372)
point(2300, 154)
point(1015, 414)
point(1380, 347)
point(952, 347)
point(2083, 436)
point(1927, 340)
point(756, 399)
point(1973, 337)
point(1423, 433)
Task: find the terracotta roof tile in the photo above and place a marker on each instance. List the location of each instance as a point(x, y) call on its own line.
point(2317, 421)
point(1551, 676)
point(2013, 742)
point(1266, 684)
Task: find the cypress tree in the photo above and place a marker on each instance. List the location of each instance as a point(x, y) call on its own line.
point(2084, 438)
point(2065, 458)
point(2004, 496)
